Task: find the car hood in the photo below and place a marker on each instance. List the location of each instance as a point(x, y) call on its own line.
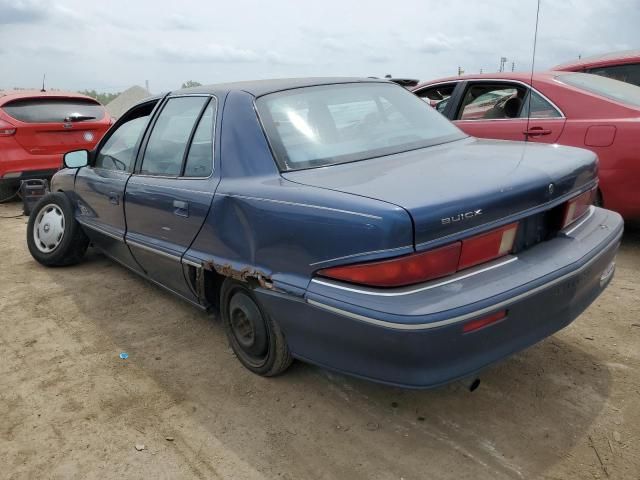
point(497, 178)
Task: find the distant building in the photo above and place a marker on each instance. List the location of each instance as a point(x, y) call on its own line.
point(126, 100)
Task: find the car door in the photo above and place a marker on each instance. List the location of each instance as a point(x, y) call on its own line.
point(500, 109)
point(169, 195)
point(100, 186)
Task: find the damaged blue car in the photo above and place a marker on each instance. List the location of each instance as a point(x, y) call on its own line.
point(341, 222)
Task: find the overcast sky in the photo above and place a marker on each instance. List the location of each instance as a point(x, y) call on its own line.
point(111, 45)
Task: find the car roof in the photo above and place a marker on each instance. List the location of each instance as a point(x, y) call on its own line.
point(607, 59)
point(524, 77)
point(7, 96)
point(258, 88)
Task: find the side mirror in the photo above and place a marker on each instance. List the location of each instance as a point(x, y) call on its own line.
point(76, 159)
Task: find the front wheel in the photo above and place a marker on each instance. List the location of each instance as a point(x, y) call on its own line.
point(254, 337)
point(54, 237)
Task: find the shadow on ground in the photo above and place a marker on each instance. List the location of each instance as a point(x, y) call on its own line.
point(311, 423)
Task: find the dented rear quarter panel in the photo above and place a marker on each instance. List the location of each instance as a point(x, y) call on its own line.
point(263, 225)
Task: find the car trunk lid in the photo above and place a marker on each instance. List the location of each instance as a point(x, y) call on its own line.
point(460, 185)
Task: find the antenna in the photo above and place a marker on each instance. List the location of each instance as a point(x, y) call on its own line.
point(43, 77)
point(533, 64)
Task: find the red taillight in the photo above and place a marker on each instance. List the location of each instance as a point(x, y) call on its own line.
point(479, 323)
point(414, 268)
point(6, 129)
point(420, 267)
point(577, 207)
point(485, 247)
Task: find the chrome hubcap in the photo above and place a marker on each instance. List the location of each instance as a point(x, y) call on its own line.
point(48, 228)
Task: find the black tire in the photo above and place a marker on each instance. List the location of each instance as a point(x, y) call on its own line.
point(255, 338)
point(47, 247)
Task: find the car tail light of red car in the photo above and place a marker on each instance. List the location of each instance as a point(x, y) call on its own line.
point(577, 207)
point(423, 266)
point(6, 129)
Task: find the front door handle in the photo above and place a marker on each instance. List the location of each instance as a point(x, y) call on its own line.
point(537, 131)
point(114, 198)
point(181, 208)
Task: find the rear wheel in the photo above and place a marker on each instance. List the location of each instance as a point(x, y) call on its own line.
point(54, 237)
point(255, 338)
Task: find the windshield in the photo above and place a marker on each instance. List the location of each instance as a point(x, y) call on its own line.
point(328, 124)
point(606, 87)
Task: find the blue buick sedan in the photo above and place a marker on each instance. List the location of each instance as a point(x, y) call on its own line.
point(340, 222)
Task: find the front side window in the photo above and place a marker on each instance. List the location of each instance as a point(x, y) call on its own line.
point(329, 124)
point(119, 151)
point(491, 102)
point(170, 136)
point(605, 87)
point(629, 73)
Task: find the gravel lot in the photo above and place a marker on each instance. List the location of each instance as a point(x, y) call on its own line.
point(568, 407)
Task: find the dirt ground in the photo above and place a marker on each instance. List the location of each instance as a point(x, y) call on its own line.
point(566, 408)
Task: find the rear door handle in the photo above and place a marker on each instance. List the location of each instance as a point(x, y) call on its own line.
point(537, 131)
point(114, 198)
point(181, 208)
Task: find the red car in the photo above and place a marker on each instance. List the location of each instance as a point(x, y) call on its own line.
point(575, 109)
point(36, 128)
point(623, 66)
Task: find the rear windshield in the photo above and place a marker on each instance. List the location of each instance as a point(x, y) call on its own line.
point(54, 110)
point(606, 87)
point(329, 124)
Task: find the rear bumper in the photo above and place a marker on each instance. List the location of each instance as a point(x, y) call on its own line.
point(18, 164)
point(16, 177)
point(415, 339)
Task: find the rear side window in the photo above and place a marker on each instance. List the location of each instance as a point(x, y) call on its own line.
point(625, 73)
point(605, 87)
point(540, 108)
point(54, 110)
point(200, 156)
point(170, 136)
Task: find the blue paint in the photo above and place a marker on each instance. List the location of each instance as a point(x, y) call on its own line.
point(249, 215)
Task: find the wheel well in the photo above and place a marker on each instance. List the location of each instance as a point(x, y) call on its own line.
point(207, 282)
point(212, 284)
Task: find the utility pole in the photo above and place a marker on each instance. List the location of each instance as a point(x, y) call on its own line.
point(146, 85)
point(460, 71)
point(513, 66)
point(503, 60)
